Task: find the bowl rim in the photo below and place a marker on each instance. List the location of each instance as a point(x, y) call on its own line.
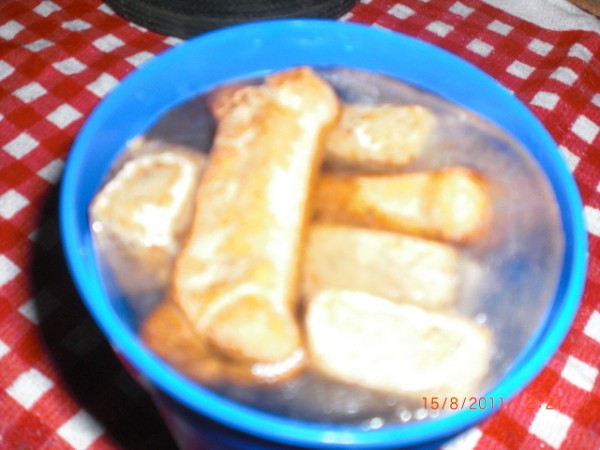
point(316, 42)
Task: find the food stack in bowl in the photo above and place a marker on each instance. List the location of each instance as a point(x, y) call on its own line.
point(300, 244)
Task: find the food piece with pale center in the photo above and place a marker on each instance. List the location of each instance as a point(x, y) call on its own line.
point(452, 204)
point(367, 340)
point(402, 268)
point(171, 336)
point(236, 277)
point(140, 216)
point(379, 136)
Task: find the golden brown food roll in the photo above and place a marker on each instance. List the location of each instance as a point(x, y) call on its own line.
point(140, 216)
point(171, 336)
point(237, 275)
point(405, 269)
point(401, 349)
point(452, 204)
point(379, 137)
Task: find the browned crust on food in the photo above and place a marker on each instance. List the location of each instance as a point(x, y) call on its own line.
point(452, 204)
point(239, 267)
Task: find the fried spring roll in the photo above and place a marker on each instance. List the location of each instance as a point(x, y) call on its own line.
point(404, 269)
point(378, 137)
point(141, 215)
point(451, 204)
point(171, 336)
point(237, 275)
point(401, 349)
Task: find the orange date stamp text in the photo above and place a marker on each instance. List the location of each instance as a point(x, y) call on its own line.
point(462, 403)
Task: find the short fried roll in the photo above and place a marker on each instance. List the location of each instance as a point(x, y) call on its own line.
point(452, 204)
point(401, 349)
point(376, 137)
point(141, 215)
point(402, 268)
point(171, 336)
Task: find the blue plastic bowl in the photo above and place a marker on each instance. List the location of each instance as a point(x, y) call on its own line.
point(252, 50)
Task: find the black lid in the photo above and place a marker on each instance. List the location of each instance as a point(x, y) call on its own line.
point(187, 18)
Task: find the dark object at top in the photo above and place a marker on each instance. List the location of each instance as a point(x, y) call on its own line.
point(591, 6)
point(187, 18)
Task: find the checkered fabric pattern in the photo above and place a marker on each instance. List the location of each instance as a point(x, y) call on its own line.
point(61, 386)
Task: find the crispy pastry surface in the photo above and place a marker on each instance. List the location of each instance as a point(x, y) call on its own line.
point(379, 137)
point(452, 204)
point(237, 275)
point(171, 336)
point(402, 268)
point(141, 215)
point(402, 349)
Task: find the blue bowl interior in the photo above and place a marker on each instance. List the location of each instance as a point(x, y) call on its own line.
point(255, 49)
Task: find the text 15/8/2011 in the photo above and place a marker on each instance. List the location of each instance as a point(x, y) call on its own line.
point(461, 403)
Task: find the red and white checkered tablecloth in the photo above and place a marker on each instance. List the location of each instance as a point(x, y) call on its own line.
point(61, 387)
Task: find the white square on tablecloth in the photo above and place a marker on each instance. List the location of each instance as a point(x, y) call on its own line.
point(144, 29)
point(571, 158)
point(52, 171)
point(461, 9)
point(108, 43)
point(546, 100)
point(106, 9)
point(29, 387)
point(139, 58)
point(172, 40)
point(8, 270)
point(5, 70)
point(10, 29)
point(11, 202)
point(30, 92)
point(76, 25)
point(540, 47)
point(596, 100)
point(580, 51)
point(564, 75)
point(585, 129)
point(520, 69)
point(29, 310)
point(592, 222)
point(4, 349)
point(102, 85)
point(500, 27)
point(63, 116)
point(550, 426)
point(480, 47)
point(69, 66)
point(592, 327)
point(47, 236)
point(21, 145)
point(39, 45)
point(81, 430)
point(46, 8)
point(38, 308)
point(401, 11)
point(440, 28)
point(580, 373)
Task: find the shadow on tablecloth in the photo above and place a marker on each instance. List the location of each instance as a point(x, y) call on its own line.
point(91, 375)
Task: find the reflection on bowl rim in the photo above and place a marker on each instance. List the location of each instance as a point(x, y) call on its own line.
point(282, 44)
